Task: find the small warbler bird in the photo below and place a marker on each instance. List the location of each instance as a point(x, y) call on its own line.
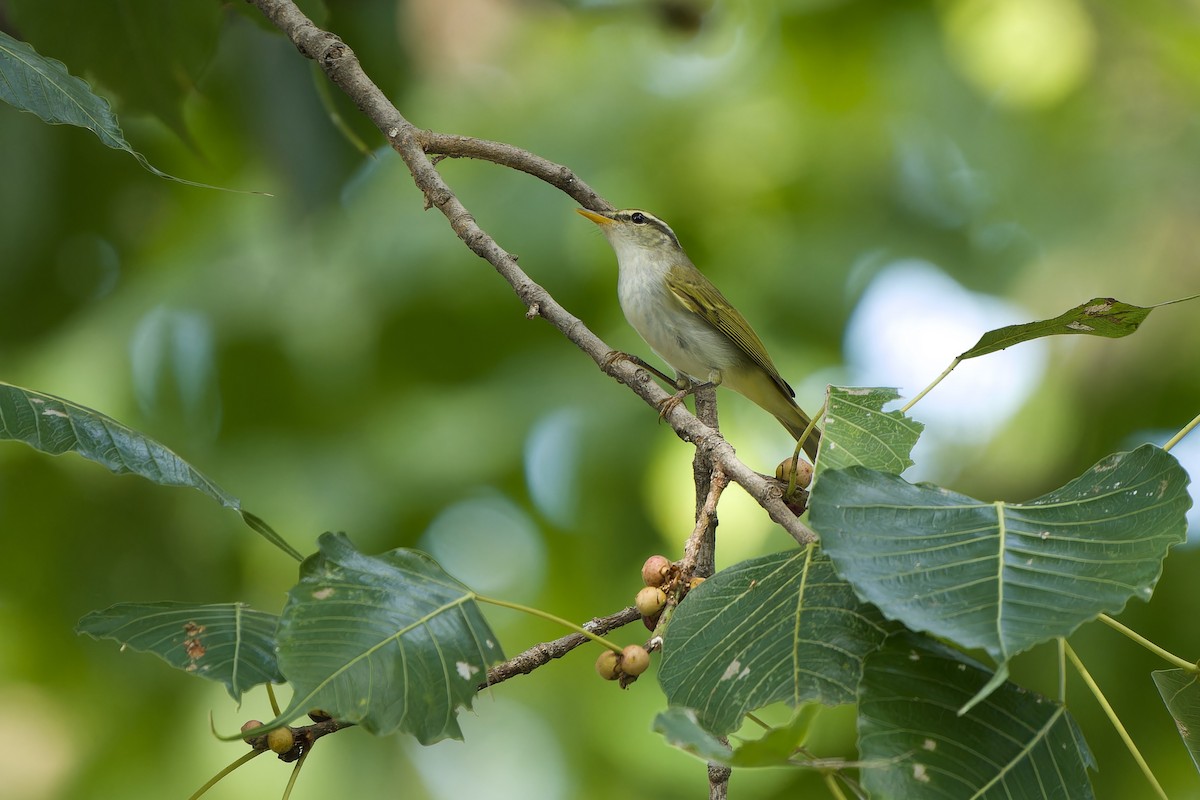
point(689, 323)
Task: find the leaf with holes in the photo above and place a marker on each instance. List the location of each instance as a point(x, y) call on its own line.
point(229, 642)
point(781, 627)
point(1013, 745)
point(1004, 576)
point(859, 432)
point(390, 642)
point(56, 426)
point(1101, 316)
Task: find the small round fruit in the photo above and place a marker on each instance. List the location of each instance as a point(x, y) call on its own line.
point(281, 740)
point(634, 660)
point(803, 472)
point(608, 665)
point(250, 725)
point(655, 570)
point(650, 601)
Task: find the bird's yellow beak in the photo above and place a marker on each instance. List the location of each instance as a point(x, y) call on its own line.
point(599, 219)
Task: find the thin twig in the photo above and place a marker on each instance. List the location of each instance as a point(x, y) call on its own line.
point(718, 780)
point(506, 155)
point(699, 552)
point(543, 653)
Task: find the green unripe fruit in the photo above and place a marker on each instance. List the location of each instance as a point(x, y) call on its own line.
point(281, 740)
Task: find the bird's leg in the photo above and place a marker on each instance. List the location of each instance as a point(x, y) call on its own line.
point(686, 387)
point(616, 355)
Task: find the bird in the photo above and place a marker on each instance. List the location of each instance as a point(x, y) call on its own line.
point(689, 324)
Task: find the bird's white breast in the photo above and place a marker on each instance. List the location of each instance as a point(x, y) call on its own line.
point(677, 335)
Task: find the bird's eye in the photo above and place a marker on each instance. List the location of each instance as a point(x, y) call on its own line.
point(637, 218)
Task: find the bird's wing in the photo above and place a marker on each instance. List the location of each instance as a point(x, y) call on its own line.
point(698, 294)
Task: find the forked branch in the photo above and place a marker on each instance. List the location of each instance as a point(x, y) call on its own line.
point(414, 146)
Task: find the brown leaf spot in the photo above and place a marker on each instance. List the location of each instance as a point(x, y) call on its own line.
point(192, 645)
point(1099, 308)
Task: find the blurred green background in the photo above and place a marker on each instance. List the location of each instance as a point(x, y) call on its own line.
point(874, 183)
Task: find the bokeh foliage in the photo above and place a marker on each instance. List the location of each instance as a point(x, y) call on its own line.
point(335, 358)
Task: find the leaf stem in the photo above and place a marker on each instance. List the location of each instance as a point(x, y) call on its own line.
point(832, 785)
point(1115, 720)
point(1173, 302)
point(929, 388)
point(757, 721)
point(216, 778)
point(1062, 670)
point(1186, 430)
point(546, 615)
point(274, 702)
point(287, 792)
point(1165, 655)
point(791, 489)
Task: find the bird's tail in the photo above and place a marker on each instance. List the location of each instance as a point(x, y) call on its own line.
point(796, 422)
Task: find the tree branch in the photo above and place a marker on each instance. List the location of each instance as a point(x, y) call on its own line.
point(341, 66)
point(506, 155)
point(543, 653)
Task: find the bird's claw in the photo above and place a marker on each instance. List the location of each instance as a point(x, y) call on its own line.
point(613, 357)
point(667, 406)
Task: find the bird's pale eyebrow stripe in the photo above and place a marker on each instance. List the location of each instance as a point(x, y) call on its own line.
point(653, 221)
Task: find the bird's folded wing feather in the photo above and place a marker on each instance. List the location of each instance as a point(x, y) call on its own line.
point(699, 295)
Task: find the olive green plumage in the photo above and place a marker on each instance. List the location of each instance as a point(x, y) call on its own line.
point(688, 322)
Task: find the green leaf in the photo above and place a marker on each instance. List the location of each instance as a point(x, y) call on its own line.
point(149, 53)
point(680, 727)
point(1013, 745)
point(1101, 316)
point(43, 86)
point(777, 747)
point(1004, 576)
point(1180, 690)
point(229, 642)
point(389, 642)
point(859, 432)
point(782, 627)
point(57, 426)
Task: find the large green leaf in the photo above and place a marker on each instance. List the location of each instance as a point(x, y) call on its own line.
point(1004, 576)
point(389, 642)
point(782, 627)
point(43, 86)
point(57, 426)
point(1101, 316)
point(1180, 690)
point(149, 53)
point(859, 432)
point(1014, 745)
point(230, 642)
